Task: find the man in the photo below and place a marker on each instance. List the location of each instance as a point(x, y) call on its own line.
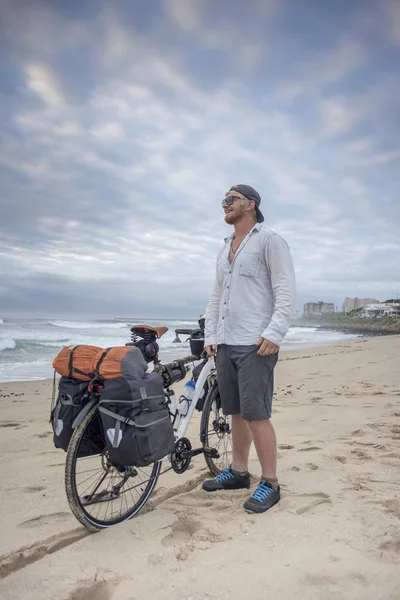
point(248, 315)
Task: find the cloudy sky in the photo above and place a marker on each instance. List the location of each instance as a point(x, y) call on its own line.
point(124, 123)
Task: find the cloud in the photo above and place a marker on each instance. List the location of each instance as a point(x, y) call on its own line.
point(42, 82)
point(186, 15)
point(120, 138)
point(108, 132)
point(336, 118)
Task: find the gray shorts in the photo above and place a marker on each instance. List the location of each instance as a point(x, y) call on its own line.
point(245, 381)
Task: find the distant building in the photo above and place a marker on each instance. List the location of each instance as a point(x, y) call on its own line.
point(353, 303)
point(380, 311)
point(318, 308)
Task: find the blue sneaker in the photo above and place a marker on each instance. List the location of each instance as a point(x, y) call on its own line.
point(227, 481)
point(263, 498)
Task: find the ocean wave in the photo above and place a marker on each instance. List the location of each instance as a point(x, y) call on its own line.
point(27, 344)
point(7, 344)
point(26, 371)
point(1, 322)
point(31, 345)
point(88, 325)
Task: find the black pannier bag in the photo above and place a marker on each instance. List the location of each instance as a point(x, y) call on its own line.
point(72, 405)
point(71, 400)
point(134, 412)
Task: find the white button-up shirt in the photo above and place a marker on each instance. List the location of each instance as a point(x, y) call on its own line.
point(253, 296)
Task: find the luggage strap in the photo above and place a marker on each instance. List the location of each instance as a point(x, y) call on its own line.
point(53, 396)
point(115, 416)
point(128, 421)
point(73, 369)
point(102, 357)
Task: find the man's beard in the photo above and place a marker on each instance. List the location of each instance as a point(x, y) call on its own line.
point(232, 218)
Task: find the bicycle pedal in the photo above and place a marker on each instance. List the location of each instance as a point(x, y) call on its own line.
point(211, 452)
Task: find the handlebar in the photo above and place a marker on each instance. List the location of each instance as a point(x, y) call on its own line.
point(184, 331)
point(176, 370)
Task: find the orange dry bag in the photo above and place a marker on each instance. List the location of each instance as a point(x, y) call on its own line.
point(109, 362)
point(77, 362)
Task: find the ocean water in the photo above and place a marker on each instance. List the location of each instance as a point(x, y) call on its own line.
point(28, 346)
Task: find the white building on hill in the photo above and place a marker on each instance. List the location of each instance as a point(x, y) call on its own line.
point(381, 310)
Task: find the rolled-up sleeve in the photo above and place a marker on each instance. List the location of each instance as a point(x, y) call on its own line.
point(279, 260)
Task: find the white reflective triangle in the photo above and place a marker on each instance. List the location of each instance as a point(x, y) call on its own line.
point(115, 441)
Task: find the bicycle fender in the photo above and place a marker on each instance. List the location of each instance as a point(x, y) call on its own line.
point(79, 418)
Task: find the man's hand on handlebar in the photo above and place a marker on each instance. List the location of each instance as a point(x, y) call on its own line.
point(211, 350)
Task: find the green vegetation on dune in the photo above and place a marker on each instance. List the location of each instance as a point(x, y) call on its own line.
point(351, 323)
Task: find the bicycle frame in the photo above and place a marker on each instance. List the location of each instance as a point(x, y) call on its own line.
point(181, 422)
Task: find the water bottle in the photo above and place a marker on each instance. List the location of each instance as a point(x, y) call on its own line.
point(186, 398)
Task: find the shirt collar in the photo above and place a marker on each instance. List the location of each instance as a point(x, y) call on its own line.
point(256, 227)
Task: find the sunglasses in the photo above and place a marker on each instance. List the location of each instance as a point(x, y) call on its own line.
point(229, 200)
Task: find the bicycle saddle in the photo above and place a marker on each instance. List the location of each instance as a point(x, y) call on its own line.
point(159, 331)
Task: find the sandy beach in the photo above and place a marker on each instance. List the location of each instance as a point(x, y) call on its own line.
point(334, 535)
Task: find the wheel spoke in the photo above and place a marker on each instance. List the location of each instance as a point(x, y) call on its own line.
point(116, 493)
point(218, 434)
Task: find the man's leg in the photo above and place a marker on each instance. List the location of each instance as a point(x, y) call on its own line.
point(265, 442)
point(237, 475)
point(241, 442)
point(268, 492)
point(256, 382)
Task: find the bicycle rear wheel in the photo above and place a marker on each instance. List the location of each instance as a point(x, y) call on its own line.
point(101, 494)
point(216, 432)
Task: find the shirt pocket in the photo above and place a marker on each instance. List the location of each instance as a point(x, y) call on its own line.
point(249, 264)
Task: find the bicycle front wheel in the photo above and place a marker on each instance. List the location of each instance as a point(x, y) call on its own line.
point(216, 432)
point(101, 494)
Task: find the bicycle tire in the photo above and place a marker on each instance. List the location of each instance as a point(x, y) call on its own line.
point(91, 523)
point(218, 427)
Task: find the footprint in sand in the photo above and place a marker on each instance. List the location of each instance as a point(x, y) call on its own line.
point(393, 506)
point(320, 498)
point(285, 447)
point(361, 454)
point(391, 547)
point(95, 590)
point(394, 455)
point(356, 486)
point(357, 433)
point(10, 424)
point(313, 504)
point(190, 534)
point(194, 502)
point(341, 459)
point(43, 435)
point(30, 489)
point(45, 520)
point(318, 580)
point(182, 531)
point(309, 449)
point(313, 467)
